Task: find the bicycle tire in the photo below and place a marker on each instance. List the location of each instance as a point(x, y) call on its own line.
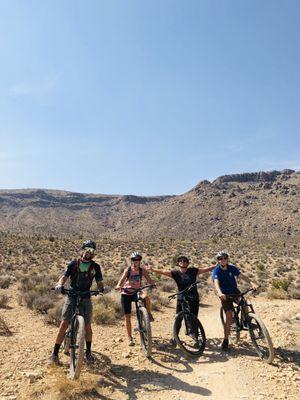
point(145, 331)
point(77, 347)
point(234, 332)
point(257, 331)
point(184, 338)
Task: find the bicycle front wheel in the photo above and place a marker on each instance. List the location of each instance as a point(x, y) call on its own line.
point(145, 330)
point(77, 346)
point(189, 334)
point(260, 338)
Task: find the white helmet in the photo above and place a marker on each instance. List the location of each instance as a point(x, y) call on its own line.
point(222, 253)
point(135, 256)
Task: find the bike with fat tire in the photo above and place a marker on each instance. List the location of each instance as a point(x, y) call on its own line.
point(188, 331)
point(245, 319)
point(142, 318)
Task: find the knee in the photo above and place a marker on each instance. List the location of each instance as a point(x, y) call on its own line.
point(64, 325)
point(88, 328)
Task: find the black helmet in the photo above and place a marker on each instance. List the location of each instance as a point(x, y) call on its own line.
point(183, 258)
point(89, 243)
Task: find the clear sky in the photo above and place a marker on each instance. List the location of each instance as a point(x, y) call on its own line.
point(146, 96)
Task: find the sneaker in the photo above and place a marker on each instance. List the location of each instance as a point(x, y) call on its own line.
point(151, 319)
point(89, 358)
point(224, 346)
point(54, 360)
point(130, 341)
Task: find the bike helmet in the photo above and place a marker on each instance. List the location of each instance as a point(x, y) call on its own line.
point(136, 255)
point(222, 253)
point(89, 243)
point(183, 258)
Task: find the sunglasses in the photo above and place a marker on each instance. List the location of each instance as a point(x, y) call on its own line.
point(223, 258)
point(136, 259)
point(89, 249)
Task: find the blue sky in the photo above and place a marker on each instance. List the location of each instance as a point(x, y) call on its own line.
point(146, 97)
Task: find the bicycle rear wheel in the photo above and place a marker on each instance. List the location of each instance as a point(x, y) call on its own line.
point(234, 330)
point(189, 334)
point(77, 346)
point(260, 338)
point(145, 331)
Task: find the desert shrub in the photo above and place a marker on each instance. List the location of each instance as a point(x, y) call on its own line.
point(111, 281)
point(3, 300)
point(107, 309)
point(282, 284)
point(167, 285)
point(158, 301)
point(53, 315)
point(5, 281)
point(35, 292)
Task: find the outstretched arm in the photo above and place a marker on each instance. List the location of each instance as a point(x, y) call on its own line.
point(204, 270)
point(158, 271)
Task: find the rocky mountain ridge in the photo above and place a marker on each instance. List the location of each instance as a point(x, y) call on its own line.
point(260, 204)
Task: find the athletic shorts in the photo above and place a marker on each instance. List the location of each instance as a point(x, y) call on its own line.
point(227, 304)
point(85, 309)
point(126, 300)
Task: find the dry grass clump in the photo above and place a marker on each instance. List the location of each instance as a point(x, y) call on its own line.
point(279, 289)
point(107, 309)
point(35, 292)
point(5, 281)
point(3, 300)
point(158, 301)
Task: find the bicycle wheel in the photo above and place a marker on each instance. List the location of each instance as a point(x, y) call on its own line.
point(260, 338)
point(77, 346)
point(145, 330)
point(235, 333)
point(189, 334)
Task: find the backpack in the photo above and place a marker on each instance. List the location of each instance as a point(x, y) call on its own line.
point(140, 274)
point(75, 270)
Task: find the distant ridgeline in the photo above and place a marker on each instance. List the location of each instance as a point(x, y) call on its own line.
point(249, 205)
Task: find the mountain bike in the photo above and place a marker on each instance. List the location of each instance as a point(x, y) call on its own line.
point(142, 317)
point(73, 344)
point(188, 331)
point(245, 319)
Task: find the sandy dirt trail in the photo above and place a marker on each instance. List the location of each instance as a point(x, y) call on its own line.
point(121, 372)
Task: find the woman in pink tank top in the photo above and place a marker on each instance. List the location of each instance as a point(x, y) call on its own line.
point(132, 279)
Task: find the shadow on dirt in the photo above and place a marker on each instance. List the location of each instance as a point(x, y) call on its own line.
point(126, 379)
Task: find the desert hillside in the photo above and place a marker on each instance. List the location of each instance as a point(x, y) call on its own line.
point(254, 205)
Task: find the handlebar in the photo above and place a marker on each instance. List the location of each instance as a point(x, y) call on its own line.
point(79, 293)
point(235, 295)
point(172, 296)
point(133, 290)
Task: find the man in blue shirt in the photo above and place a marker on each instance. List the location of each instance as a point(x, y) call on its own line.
point(224, 277)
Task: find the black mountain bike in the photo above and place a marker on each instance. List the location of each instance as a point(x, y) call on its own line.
point(245, 319)
point(142, 318)
point(73, 344)
point(188, 331)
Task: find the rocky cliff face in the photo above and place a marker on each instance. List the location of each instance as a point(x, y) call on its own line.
point(262, 204)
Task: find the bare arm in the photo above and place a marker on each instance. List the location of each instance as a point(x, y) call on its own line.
point(122, 280)
point(159, 271)
point(247, 280)
point(218, 289)
point(100, 286)
point(204, 270)
point(62, 280)
point(148, 278)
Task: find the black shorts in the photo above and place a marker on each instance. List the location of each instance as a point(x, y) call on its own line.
point(193, 303)
point(227, 304)
point(126, 300)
